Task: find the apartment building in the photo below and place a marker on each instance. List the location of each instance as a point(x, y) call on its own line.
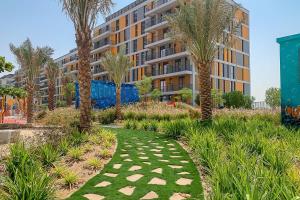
point(7, 80)
point(142, 28)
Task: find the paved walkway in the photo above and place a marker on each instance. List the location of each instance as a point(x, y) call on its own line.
point(145, 166)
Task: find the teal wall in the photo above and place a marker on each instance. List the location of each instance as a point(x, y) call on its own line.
point(290, 77)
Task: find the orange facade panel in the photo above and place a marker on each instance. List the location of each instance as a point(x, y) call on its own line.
point(122, 22)
point(239, 73)
point(245, 32)
point(227, 86)
point(140, 44)
point(239, 86)
point(246, 75)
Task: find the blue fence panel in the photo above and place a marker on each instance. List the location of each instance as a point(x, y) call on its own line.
point(103, 94)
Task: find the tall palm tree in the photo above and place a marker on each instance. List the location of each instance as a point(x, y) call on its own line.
point(68, 88)
point(117, 66)
point(201, 25)
point(83, 14)
point(31, 59)
point(52, 71)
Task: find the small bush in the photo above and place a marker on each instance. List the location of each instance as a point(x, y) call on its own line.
point(76, 153)
point(70, 179)
point(175, 129)
point(107, 116)
point(47, 154)
point(63, 146)
point(59, 171)
point(105, 153)
point(145, 125)
point(153, 126)
point(94, 163)
point(77, 138)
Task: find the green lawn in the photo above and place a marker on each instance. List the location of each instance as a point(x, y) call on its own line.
point(141, 147)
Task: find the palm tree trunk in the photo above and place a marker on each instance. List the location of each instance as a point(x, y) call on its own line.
point(29, 105)
point(83, 40)
point(69, 99)
point(51, 93)
point(205, 91)
point(118, 102)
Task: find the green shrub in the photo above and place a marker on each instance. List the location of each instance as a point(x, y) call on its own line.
point(107, 116)
point(47, 154)
point(94, 163)
point(153, 126)
point(77, 138)
point(70, 179)
point(145, 125)
point(175, 129)
point(76, 153)
point(105, 153)
point(63, 146)
point(59, 171)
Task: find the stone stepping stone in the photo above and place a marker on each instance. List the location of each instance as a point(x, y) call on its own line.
point(183, 173)
point(150, 195)
point(159, 155)
point(158, 170)
point(171, 144)
point(128, 145)
point(93, 197)
point(160, 147)
point(135, 177)
point(135, 168)
point(140, 143)
point(123, 150)
point(184, 161)
point(157, 181)
point(144, 158)
point(140, 149)
point(172, 149)
point(175, 156)
point(141, 153)
point(128, 191)
point(155, 150)
point(179, 196)
point(117, 166)
point(147, 163)
point(155, 143)
point(184, 181)
point(175, 166)
point(111, 175)
point(175, 152)
point(124, 155)
point(103, 184)
point(128, 160)
point(145, 146)
point(164, 161)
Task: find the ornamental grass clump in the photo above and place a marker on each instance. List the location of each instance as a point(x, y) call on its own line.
point(76, 153)
point(47, 154)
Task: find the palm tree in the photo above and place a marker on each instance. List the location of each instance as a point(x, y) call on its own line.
point(5, 66)
point(201, 25)
point(31, 59)
point(117, 66)
point(83, 14)
point(52, 71)
point(68, 88)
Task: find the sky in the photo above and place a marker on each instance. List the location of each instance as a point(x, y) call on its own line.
point(45, 24)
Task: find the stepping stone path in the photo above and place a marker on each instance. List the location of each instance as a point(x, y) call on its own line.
point(145, 166)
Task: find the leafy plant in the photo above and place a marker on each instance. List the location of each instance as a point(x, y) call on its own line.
point(105, 153)
point(175, 129)
point(94, 163)
point(76, 153)
point(70, 179)
point(273, 96)
point(47, 154)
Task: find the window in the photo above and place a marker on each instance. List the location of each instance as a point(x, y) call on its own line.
point(134, 45)
point(137, 61)
point(144, 42)
point(143, 27)
point(232, 86)
point(143, 58)
point(126, 20)
point(239, 59)
point(245, 46)
point(119, 37)
point(136, 30)
point(117, 25)
point(135, 16)
point(126, 34)
point(127, 48)
point(181, 82)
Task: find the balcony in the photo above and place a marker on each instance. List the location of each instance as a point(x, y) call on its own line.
point(101, 45)
point(98, 70)
point(103, 32)
point(160, 6)
point(165, 54)
point(156, 23)
point(170, 70)
point(95, 61)
point(158, 40)
point(173, 88)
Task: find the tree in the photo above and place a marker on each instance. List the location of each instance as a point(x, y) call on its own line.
point(248, 101)
point(117, 66)
point(185, 94)
point(83, 14)
point(273, 96)
point(52, 71)
point(5, 66)
point(233, 99)
point(156, 94)
point(144, 87)
point(68, 89)
point(31, 59)
point(200, 25)
point(217, 98)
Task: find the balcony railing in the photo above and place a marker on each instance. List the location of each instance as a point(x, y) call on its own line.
point(154, 21)
point(169, 70)
point(101, 44)
point(164, 53)
point(157, 4)
point(173, 87)
point(98, 70)
point(157, 38)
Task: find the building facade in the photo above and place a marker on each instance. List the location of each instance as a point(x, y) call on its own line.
point(7, 80)
point(143, 30)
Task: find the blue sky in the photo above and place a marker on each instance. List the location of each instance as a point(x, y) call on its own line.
point(45, 24)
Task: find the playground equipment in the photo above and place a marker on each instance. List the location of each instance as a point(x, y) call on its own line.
point(12, 110)
point(103, 94)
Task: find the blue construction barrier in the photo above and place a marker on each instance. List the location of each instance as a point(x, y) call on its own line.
point(103, 94)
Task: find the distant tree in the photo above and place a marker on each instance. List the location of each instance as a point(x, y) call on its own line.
point(156, 94)
point(185, 94)
point(273, 96)
point(5, 66)
point(68, 89)
point(52, 72)
point(248, 101)
point(117, 66)
point(217, 98)
point(144, 87)
point(233, 99)
point(31, 59)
